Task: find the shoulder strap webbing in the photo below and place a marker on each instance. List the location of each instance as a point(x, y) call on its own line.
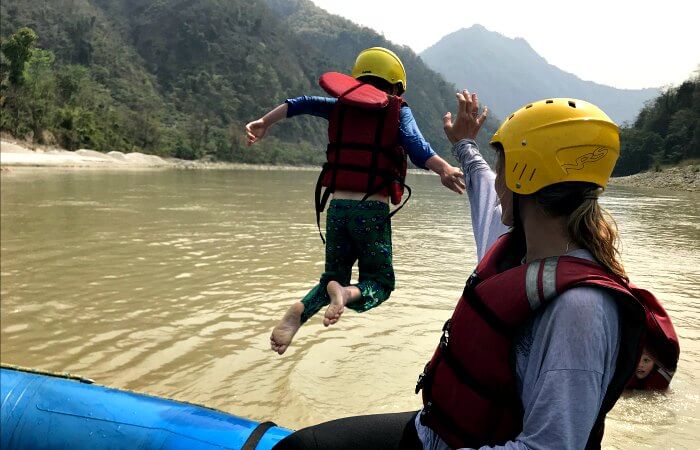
point(321, 200)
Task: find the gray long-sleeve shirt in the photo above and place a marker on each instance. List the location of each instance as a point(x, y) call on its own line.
point(565, 356)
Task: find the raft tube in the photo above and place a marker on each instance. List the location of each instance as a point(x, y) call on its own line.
point(42, 411)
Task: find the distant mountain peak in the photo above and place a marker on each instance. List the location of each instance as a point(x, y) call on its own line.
point(478, 38)
point(476, 27)
point(508, 73)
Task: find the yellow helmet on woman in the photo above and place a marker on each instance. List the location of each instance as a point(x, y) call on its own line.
point(557, 140)
point(382, 63)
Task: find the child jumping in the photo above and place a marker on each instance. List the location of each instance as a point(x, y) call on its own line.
point(371, 130)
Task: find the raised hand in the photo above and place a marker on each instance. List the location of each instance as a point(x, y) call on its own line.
point(468, 121)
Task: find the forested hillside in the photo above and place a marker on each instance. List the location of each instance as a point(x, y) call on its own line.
point(429, 95)
point(182, 77)
point(667, 130)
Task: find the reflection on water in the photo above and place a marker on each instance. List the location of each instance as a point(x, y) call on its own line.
point(170, 282)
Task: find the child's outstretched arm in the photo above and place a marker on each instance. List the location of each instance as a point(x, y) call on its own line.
point(423, 156)
point(450, 176)
point(313, 105)
point(256, 129)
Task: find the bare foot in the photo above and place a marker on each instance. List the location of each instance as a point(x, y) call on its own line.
point(285, 330)
point(339, 297)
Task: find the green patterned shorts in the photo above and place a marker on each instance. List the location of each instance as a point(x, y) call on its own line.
point(355, 232)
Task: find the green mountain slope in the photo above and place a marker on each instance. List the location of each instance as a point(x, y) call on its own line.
point(182, 77)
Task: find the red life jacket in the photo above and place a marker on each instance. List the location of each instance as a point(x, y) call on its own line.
point(661, 342)
point(657, 380)
point(469, 386)
point(363, 153)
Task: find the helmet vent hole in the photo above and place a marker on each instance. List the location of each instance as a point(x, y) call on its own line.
point(528, 106)
point(549, 101)
point(572, 104)
point(532, 174)
point(515, 166)
point(511, 116)
point(522, 172)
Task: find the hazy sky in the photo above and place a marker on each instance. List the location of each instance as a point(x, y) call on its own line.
point(621, 43)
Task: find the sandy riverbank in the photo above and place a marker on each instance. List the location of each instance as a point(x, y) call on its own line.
point(681, 178)
point(16, 154)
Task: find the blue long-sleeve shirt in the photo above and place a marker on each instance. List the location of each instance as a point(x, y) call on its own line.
point(410, 137)
point(564, 357)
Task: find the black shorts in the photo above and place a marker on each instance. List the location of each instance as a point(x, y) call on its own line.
point(395, 431)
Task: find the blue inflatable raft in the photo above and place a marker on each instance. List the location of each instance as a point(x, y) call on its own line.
point(49, 411)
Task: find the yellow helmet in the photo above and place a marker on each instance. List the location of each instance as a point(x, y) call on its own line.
point(557, 140)
point(382, 63)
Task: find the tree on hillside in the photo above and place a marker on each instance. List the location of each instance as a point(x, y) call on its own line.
point(50, 102)
point(638, 150)
point(26, 98)
point(666, 131)
point(18, 49)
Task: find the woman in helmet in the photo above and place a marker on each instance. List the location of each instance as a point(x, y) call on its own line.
point(548, 330)
point(371, 130)
point(574, 324)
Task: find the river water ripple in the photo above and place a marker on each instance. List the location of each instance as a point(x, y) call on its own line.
point(169, 282)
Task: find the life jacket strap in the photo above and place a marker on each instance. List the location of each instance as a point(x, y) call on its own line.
point(408, 196)
point(472, 281)
point(388, 176)
point(469, 295)
point(667, 374)
point(464, 376)
point(541, 281)
point(503, 397)
point(425, 377)
point(320, 200)
point(420, 383)
point(356, 146)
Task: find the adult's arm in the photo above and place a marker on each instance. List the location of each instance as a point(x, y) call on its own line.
point(484, 204)
point(478, 177)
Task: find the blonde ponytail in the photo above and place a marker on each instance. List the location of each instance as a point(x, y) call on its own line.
point(588, 224)
point(593, 228)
